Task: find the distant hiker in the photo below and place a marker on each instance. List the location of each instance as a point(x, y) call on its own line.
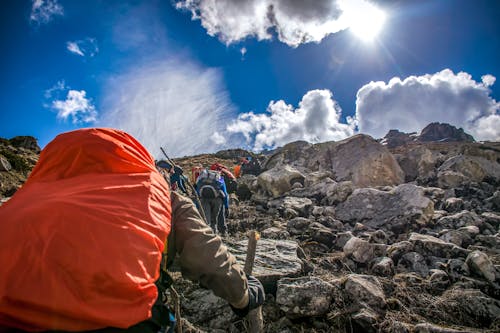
point(176, 177)
point(195, 173)
point(229, 178)
point(85, 243)
point(214, 198)
point(252, 166)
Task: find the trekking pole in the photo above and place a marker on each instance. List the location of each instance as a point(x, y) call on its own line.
point(255, 320)
point(196, 197)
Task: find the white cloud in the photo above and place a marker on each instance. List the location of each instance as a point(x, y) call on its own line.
point(56, 89)
point(317, 119)
point(294, 21)
point(74, 48)
point(173, 104)
point(410, 104)
point(77, 107)
point(488, 80)
point(84, 47)
point(218, 138)
point(43, 11)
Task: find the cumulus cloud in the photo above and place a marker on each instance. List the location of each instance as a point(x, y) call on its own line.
point(84, 47)
point(173, 104)
point(317, 119)
point(43, 11)
point(76, 106)
point(294, 21)
point(410, 104)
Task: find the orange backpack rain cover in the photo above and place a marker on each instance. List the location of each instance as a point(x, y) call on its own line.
point(81, 242)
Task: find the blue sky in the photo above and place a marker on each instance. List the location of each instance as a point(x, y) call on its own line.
point(198, 76)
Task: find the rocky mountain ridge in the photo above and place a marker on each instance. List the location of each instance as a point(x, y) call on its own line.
point(359, 236)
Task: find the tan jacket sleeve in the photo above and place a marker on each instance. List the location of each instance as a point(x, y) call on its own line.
point(202, 255)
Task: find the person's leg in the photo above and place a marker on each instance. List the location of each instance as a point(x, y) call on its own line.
point(214, 211)
point(206, 205)
point(221, 221)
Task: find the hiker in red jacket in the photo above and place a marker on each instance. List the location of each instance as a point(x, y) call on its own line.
point(85, 243)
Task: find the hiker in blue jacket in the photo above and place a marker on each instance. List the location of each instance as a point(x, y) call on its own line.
point(176, 175)
point(214, 199)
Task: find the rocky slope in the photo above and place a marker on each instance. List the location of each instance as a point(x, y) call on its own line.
point(361, 236)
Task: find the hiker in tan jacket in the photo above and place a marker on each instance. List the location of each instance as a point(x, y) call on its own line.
point(202, 255)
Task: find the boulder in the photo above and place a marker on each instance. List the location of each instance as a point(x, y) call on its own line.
point(279, 180)
point(304, 296)
point(453, 205)
point(438, 280)
point(365, 290)
point(431, 246)
point(274, 259)
point(461, 169)
point(413, 262)
point(458, 220)
point(359, 250)
point(302, 206)
point(481, 265)
point(399, 208)
point(383, 266)
point(247, 185)
point(417, 163)
point(360, 159)
point(458, 237)
point(202, 306)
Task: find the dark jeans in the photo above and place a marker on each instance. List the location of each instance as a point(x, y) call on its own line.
point(214, 212)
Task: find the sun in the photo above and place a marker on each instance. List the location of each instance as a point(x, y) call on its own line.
point(366, 23)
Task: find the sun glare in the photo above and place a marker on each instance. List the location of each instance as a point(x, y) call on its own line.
point(366, 23)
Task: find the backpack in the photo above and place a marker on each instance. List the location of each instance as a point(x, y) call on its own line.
point(209, 184)
point(81, 242)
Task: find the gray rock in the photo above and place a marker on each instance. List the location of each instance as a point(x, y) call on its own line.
point(458, 220)
point(383, 266)
point(481, 265)
point(458, 237)
point(453, 205)
point(472, 168)
point(450, 179)
point(491, 218)
point(274, 259)
point(321, 234)
point(429, 245)
point(359, 250)
point(202, 306)
point(365, 320)
point(438, 280)
point(304, 296)
point(365, 290)
point(400, 207)
point(302, 206)
point(397, 250)
point(275, 233)
point(342, 239)
point(279, 180)
point(417, 162)
point(378, 236)
point(457, 268)
point(413, 262)
point(298, 225)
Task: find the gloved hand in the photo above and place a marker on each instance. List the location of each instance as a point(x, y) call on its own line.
point(256, 297)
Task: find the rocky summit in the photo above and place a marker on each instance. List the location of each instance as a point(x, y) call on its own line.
point(357, 235)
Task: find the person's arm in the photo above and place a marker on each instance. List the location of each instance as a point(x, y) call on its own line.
point(226, 196)
point(203, 257)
